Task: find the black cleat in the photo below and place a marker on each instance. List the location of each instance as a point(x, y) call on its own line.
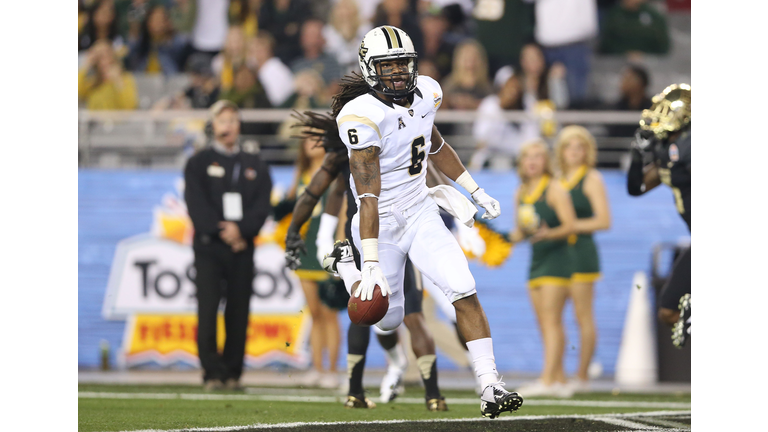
point(358, 402)
point(496, 400)
point(681, 331)
point(437, 404)
point(342, 252)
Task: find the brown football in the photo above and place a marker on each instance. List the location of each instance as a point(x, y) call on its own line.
point(366, 313)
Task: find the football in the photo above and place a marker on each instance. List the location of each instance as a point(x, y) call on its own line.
point(366, 313)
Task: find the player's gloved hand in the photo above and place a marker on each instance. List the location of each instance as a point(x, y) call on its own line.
point(643, 140)
point(469, 239)
point(294, 248)
point(490, 205)
point(371, 276)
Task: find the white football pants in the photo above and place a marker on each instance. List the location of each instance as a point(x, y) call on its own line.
point(431, 247)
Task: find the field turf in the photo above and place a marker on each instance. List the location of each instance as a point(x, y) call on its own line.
point(146, 407)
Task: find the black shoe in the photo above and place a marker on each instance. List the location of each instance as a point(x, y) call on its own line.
point(232, 384)
point(496, 400)
point(437, 404)
point(358, 402)
point(681, 331)
point(213, 385)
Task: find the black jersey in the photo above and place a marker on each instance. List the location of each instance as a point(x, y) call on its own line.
point(674, 165)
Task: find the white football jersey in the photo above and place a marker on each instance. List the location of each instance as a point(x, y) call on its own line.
point(404, 136)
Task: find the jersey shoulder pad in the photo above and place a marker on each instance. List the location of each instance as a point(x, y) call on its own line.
point(360, 123)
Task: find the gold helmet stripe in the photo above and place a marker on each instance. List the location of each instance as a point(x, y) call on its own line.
point(394, 37)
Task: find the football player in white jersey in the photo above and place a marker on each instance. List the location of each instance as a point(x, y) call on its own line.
point(389, 133)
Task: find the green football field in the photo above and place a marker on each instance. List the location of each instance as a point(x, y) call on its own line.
point(161, 408)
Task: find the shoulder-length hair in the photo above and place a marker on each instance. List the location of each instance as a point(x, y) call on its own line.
point(526, 148)
point(587, 140)
point(481, 80)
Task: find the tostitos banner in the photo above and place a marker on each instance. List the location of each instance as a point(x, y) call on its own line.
point(151, 286)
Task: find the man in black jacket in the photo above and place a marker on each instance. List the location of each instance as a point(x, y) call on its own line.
point(227, 193)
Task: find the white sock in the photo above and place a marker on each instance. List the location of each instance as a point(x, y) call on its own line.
point(484, 361)
point(349, 274)
point(397, 357)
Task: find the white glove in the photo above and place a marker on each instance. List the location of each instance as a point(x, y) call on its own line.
point(325, 235)
point(371, 276)
point(469, 239)
point(490, 205)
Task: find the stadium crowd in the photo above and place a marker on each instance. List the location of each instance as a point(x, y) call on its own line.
point(292, 53)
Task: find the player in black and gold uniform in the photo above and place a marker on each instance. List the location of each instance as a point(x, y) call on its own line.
point(664, 138)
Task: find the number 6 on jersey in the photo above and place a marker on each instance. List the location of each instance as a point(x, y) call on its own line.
point(417, 156)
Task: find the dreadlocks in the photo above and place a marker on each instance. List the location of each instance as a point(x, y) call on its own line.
point(323, 126)
point(352, 86)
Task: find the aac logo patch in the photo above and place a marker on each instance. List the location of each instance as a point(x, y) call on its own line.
point(400, 123)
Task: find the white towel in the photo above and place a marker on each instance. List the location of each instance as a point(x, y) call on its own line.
point(456, 204)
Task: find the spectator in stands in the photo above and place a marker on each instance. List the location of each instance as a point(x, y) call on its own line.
point(634, 26)
point(397, 13)
point(101, 25)
point(282, 19)
point(497, 140)
point(310, 92)
point(158, 49)
point(343, 35)
point(211, 25)
point(274, 75)
point(468, 83)
point(314, 55)
point(565, 28)
point(182, 14)
point(102, 83)
point(542, 83)
point(231, 58)
point(437, 47)
point(130, 15)
point(245, 13)
point(202, 92)
point(82, 19)
point(504, 30)
point(634, 97)
point(246, 91)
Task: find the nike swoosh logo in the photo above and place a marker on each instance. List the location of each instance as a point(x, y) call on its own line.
point(425, 115)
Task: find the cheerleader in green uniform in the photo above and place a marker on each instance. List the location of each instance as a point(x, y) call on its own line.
point(575, 154)
point(325, 333)
point(545, 217)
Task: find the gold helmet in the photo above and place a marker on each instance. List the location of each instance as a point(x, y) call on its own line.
point(670, 112)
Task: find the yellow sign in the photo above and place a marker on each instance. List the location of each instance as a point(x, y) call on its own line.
point(169, 338)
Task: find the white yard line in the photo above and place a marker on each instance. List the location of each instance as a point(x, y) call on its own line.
point(624, 423)
point(668, 423)
point(335, 399)
point(608, 418)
